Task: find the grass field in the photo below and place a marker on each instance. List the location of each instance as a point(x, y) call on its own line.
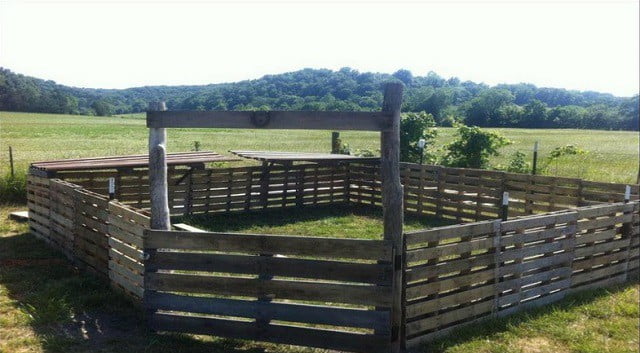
point(613, 155)
point(48, 306)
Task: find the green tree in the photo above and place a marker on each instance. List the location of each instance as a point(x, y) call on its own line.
point(484, 110)
point(534, 114)
point(102, 108)
point(405, 76)
point(473, 147)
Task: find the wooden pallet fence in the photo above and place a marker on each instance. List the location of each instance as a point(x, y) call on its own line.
point(217, 190)
point(468, 195)
point(126, 231)
point(365, 184)
point(62, 214)
point(321, 292)
point(607, 245)
point(132, 185)
point(460, 274)
point(90, 231)
point(38, 201)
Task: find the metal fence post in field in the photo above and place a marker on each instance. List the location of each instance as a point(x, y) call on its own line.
point(11, 161)
point(535, 158)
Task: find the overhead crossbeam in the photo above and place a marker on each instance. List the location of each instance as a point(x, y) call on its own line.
point(307, 120)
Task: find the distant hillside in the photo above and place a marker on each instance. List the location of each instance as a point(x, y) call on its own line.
point(449, 100)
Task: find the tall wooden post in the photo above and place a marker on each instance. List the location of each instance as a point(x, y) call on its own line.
point(158, 186)
point(392, 198)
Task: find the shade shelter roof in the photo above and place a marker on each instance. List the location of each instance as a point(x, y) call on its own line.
point(287, 157)
point(130, 161)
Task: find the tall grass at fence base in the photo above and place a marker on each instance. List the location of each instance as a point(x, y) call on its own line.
point(13, 188)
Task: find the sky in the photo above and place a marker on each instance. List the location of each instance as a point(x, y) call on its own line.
point(572, 44)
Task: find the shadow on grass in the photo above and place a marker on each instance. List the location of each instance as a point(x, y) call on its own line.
point(348, 221)
point(490, 327)
point(69, 310)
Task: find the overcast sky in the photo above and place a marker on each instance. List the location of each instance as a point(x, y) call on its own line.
point(584, 45)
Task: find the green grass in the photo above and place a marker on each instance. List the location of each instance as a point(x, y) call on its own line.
point(596, 321)
point(48, 306)
point(335, 221)
point(613, 155)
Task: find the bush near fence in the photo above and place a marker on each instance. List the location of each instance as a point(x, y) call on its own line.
point(568, 235)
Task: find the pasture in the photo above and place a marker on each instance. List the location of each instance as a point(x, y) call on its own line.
point(612, 157)
point(34, 295)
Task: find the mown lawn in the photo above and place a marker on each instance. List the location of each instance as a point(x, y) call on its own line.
point(335, 221)
point(48, 306)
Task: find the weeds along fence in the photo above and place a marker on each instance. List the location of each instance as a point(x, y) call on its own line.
point(563, 235)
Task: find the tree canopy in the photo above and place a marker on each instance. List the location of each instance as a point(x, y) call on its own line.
point(447, 100)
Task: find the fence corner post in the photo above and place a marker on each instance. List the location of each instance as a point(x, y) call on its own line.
point(158, 185)
point(392, 204)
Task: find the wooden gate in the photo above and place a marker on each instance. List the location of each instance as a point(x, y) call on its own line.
point(309, 291)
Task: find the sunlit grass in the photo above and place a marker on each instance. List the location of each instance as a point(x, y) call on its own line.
point(613, 155)
point(335, 221)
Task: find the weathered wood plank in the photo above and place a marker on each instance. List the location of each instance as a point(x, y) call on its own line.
point(288, 334)
point(276, 289)
point(304, 313)
point(270, 244)
point(308, 120)
point(275, 266)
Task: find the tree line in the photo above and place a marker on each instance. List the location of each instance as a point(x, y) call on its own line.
point(449, 101)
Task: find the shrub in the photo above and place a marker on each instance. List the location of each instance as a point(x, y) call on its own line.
point(413, 127)
point(557, 154)
point(473, 147)
point(518, 164)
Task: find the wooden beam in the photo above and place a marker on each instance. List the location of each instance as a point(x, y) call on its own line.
point(158, 186)
point(310, 120)
point(392, 202)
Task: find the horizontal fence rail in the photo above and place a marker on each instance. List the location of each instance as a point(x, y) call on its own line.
point(271, 288)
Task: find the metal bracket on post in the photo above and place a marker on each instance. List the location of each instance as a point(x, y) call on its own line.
point(112, 188)
point(627, 194)
point(504, 209)
point(260, 119)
